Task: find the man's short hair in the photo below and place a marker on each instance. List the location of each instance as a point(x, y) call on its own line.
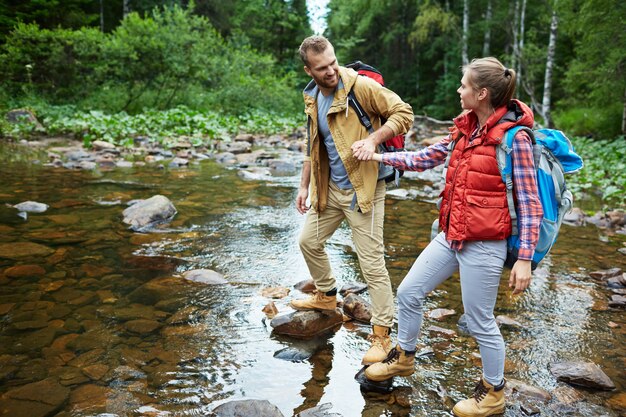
point(316, 43)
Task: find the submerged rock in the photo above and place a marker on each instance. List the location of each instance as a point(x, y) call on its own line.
point(248, 408)
point(147, 213)
point(18, 250)
point(305, 324)
point(205, 276)
point(31, 207)
point(586, 374)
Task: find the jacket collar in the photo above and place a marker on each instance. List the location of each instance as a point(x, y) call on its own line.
point(504, 118)
point(347, 78)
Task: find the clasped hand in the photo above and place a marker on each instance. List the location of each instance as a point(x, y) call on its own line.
point(364, 149)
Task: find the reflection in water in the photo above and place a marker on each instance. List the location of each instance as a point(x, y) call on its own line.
point(103, 316)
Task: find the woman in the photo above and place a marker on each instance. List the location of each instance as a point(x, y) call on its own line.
point(475, 221)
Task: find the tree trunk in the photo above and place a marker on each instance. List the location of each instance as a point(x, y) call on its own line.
point(547, 86)
point(624, 116)
point(102, 16)
point(464, 57)
point(520, 48)
point(487, 38)
point(514, 27)
point(126, 7)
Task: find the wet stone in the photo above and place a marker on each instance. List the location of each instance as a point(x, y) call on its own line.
point(306, 286)
point(306, 324)
point(145, 213)
point(89, 398)
point(586, 374)
point(24, 271)
point(142, 326)
point(183, 316)
point(248, 408)
point(356, 307)
point(440, 331)
point(293, 354)
point(508, 322)
point(42, 398)
point(440, 314)
point(19, 250)
point(5, 308)
point(514, 385)
point(322, 410)
point(205, 276)
point(270, 310)
point(606, 273)
point(353, 288)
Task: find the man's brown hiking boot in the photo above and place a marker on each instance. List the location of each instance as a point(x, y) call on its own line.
point(318, 301)
point(397, 363)
point(381, 345)
point(487, 400)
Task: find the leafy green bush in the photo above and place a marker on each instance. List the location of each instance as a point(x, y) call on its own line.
point(164, 127)
point(160, 61)
point(604, 171)
point(591, 121)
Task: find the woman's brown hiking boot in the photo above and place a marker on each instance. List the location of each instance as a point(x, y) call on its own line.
point(487, 400)
point(381, 345)
point(397, 363)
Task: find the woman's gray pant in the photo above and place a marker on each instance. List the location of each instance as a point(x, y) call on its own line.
point(480, 266)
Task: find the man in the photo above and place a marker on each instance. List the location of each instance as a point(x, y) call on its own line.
point(342, 187)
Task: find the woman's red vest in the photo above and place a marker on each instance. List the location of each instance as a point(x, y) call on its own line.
point(474, 201)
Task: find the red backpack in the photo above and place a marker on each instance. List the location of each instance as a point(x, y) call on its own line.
point(396, 143)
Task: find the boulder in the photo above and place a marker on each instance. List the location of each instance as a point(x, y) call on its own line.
point(306, 286)
point(248, 408)
point(356, 307)
point(306, 324)
point(586, 374)
point(147, 213)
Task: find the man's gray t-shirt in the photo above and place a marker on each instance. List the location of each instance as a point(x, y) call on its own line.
point(338, 173)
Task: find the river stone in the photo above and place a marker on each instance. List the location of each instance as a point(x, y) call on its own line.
point(90, 397)
point(146, 213)
point(305, 324)
point(270, 310)
point(440, 314)
point(47, 391)
point(31, 207)
point(606, 273)
point(514, 385)
point(440, 331)
point(158, 289)
point(18, 250)
point(247, 408)
point(586, 374)
point(205, 276)
point(617, 301)
point(279, 167)
point(306, 286)
point(24, 271)
point(99, 145)
point(87, 165)
point(353, 288)
point(506, 321)
point(357, 308)
point(142, 326)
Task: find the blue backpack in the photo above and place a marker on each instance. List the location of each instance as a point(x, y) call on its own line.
point(554, 156)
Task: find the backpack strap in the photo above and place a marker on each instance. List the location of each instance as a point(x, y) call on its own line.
point(505, 164)
point(367, 123)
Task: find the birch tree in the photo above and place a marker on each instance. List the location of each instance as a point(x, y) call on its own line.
point(520, 48)
point(464, 56)
point(547, 85)
point(487, 37)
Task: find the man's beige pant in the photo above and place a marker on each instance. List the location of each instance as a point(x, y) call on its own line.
point(367, 235)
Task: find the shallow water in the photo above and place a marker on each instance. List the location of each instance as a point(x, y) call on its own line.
point(72, 321)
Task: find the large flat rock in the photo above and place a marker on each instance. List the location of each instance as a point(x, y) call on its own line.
point(305, 324)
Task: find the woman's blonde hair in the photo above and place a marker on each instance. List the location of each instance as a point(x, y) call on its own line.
point(489, 73)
